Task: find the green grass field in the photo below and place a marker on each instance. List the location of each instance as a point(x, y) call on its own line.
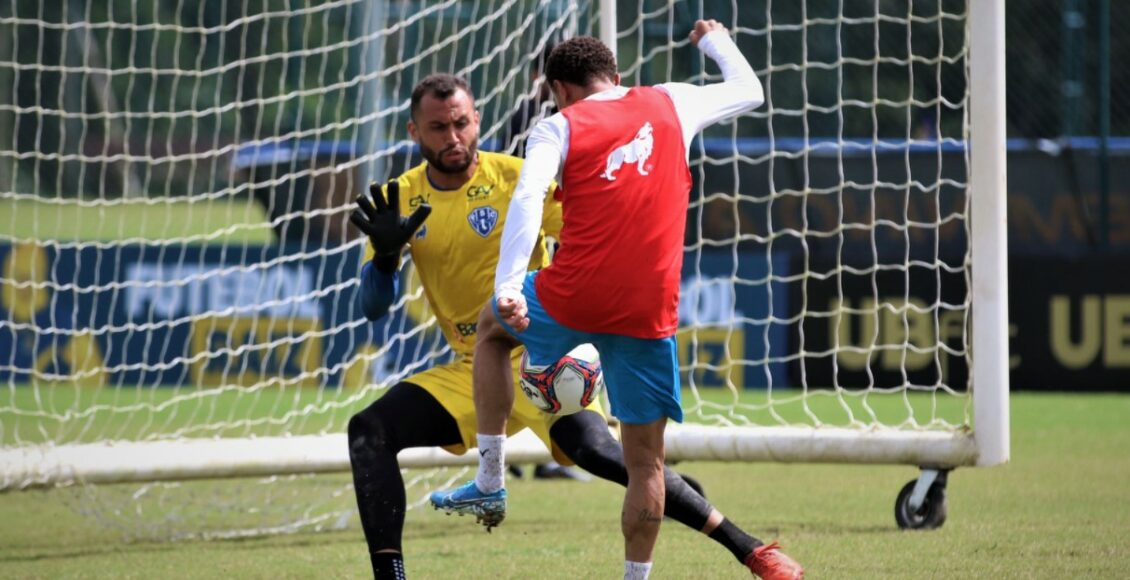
point(220, 221)
point(1058, 510)
point(66, 413)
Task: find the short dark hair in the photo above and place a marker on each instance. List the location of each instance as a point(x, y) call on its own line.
point(440, 86)
point(580, 61)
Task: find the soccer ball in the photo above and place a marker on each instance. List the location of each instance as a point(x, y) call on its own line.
point(564, 387)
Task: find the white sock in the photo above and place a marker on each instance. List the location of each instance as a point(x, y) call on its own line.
point(636, 570)
point(492, 463)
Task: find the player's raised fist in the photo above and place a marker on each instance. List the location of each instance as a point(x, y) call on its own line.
point(702, 27)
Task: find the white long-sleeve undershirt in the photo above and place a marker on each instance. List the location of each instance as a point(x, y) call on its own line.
point(548, 144)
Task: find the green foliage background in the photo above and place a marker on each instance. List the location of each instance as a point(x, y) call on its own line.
point(173, 87)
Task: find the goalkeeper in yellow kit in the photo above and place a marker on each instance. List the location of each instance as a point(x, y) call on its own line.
point(455, 204)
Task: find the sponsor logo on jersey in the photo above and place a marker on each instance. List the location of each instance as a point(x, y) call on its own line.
point(415, 201)
point(637, 151)
point(479, 192)
point(483, 220)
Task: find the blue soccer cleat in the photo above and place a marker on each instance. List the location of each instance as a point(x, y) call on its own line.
point(489, 509)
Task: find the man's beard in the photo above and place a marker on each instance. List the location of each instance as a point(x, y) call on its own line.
point(435, 159)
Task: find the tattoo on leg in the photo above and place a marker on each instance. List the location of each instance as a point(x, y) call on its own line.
point(647, 516)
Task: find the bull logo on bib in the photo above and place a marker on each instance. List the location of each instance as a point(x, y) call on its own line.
point(635, 151)
point(483, 220)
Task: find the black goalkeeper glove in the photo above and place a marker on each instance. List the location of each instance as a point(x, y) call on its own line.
point(388, 231)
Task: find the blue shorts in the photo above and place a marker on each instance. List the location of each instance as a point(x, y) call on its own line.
point(642, 374)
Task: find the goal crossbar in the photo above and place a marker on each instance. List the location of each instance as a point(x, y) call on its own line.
point(186, 459)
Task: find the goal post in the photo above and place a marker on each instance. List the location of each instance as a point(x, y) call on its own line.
point(989, 268)
point(180, 284)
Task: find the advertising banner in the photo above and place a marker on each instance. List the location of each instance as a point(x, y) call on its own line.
point(175, 315)
point(213, 315)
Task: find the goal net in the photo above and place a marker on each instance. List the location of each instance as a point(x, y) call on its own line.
point(180, 284)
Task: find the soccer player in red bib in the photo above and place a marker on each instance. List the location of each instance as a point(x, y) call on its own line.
point(620, 157)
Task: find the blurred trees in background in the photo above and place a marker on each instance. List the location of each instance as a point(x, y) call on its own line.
point(1053, 67)
point(172, 83)
point(110, 96)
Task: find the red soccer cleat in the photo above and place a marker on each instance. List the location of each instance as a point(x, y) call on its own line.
point(768, 562)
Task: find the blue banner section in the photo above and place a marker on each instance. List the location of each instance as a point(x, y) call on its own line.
point(732, 313)
point(212, 315)
point(202, 315)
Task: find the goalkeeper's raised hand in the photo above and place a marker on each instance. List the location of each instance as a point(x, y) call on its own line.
point(388, 231)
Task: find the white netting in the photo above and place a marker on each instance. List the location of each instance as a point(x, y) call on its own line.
point(175, 189)
point(176, 261)
point(828, 236)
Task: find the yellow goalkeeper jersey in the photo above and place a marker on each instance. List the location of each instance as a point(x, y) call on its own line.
point(456, 250)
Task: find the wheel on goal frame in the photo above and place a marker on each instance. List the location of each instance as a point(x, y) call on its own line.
point(921, 503)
